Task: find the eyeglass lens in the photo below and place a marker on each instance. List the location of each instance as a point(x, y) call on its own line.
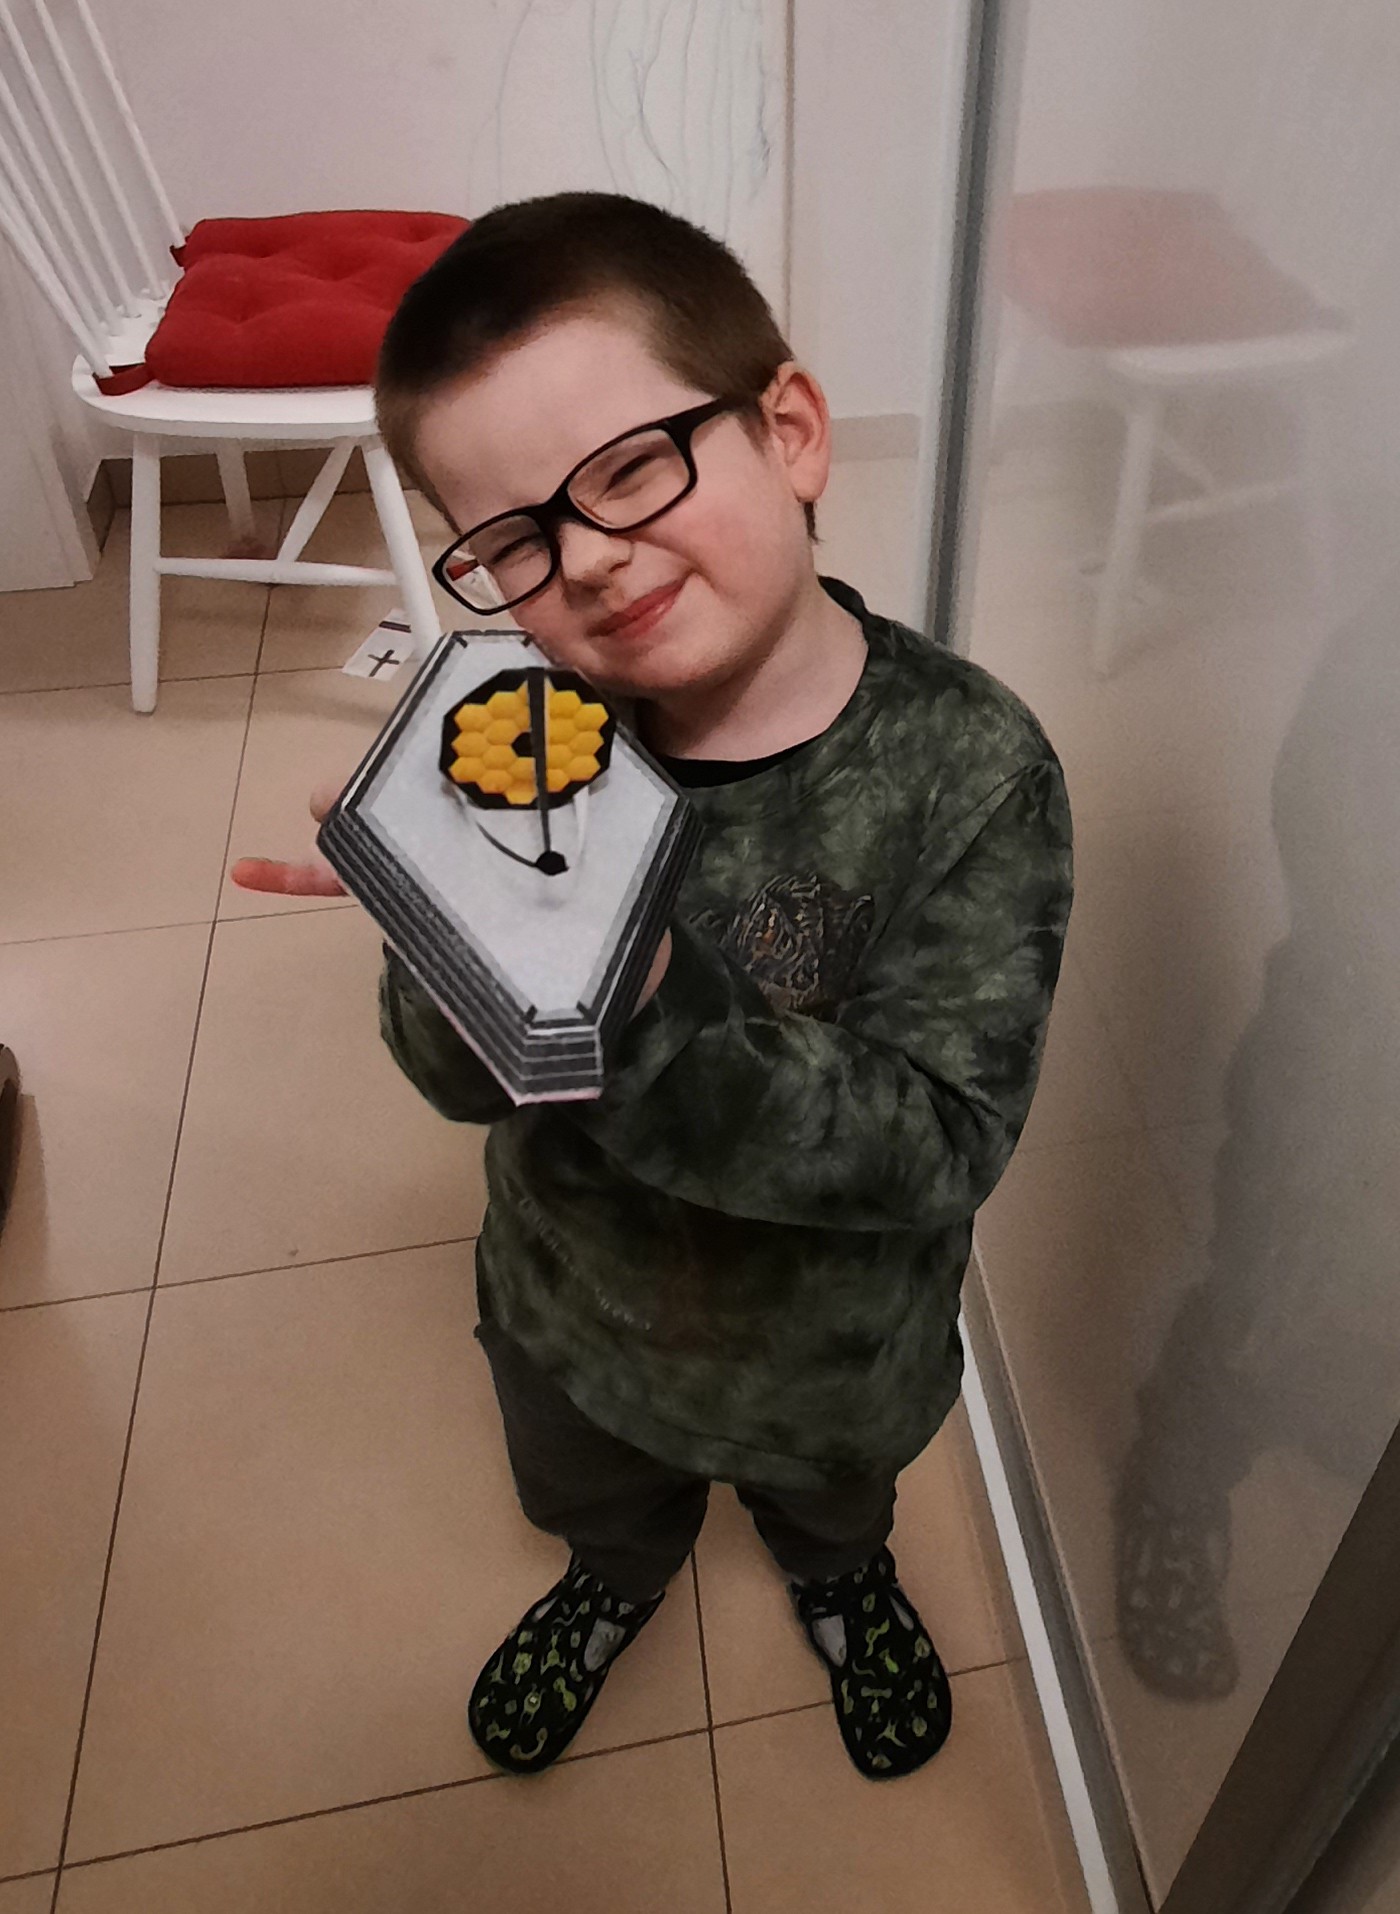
point(620, 487)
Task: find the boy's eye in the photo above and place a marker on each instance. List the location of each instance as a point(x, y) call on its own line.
point(511, 551)
point(635, 468)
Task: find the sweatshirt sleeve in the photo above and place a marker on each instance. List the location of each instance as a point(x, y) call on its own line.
point(903, 1112)
point(430, 1053)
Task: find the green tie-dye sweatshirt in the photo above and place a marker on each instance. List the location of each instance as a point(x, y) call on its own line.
point(745, 1257)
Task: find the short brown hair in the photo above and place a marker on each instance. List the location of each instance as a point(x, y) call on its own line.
point(521, 265)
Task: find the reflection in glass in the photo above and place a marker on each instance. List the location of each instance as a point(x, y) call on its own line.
point(1187, 564)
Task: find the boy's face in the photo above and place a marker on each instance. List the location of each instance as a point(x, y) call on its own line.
point(722, 572)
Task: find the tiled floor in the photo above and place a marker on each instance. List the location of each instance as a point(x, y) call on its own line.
point(258, 1525)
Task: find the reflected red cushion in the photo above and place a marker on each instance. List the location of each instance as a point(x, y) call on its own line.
point(299, 300)
point(1113, 266)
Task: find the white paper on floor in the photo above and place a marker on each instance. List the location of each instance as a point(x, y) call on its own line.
point(388, 647)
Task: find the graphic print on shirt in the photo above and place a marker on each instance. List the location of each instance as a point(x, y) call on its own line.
point(801, 939)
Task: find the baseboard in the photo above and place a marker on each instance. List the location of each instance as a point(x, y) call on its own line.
point(101, 502)
point(192, 478)
point(1093, 1800)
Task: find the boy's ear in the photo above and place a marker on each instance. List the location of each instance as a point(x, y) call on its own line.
point(799, 428)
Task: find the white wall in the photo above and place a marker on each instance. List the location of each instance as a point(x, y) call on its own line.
point(45, 538)
point(269, 107)
point(869, 195)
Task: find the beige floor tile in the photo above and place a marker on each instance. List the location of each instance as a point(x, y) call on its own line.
point(631, 1833)
point(27, 1897)
point(66, 1380)
point(302, 1140)
point(210, 628)
point(981, 1827)
point(310, 627)
point(103, 1028)
point(319, 1547)
point(307, 728)
point(757, 1658)
point(114, 821)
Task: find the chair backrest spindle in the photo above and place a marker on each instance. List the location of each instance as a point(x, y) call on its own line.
point(174, 230)
point(116, 286)
point(80, 199)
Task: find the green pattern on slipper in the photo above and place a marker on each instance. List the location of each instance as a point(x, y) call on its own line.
point(533, 1695)
point(893, 1704)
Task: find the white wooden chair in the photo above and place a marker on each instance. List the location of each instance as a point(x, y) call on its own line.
point(1313, 185)
point(84, 210)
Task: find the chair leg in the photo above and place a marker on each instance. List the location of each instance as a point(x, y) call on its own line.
point(1129, 519)
point(233, 476)
point(397, 525)
point(313, 507)
point(145, 579)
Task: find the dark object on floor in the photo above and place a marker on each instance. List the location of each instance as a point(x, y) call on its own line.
point(534, 1694)
point(9, 1127)
point(1171, 1570)
point(893, 1704)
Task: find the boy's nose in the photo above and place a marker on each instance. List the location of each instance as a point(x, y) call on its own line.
point(587, 556)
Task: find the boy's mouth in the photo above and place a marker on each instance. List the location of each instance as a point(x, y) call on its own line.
point(640, 615)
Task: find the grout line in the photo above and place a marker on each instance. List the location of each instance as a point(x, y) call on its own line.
point(318, 1262)
point(282, 1821)
point(233, 1276)
point(128, 930)
point(700, 1624)
point(58, 1302)
point(316, 908)
point(278, 522)
point(807, 1707)
point(145, 1344)
point(368, 1801)
point(773, 1714)
point(30, 1874)
point(710, 1734)
point(124, 683)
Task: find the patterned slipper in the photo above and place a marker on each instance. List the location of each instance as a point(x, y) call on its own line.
point(1172, 1566)
point(534, 1694)
point(893, 1704)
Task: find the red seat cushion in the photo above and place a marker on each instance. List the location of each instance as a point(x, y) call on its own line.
point(301, 300)
point(1115, 266)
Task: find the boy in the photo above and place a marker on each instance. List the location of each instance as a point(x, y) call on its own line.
point(742, 1262)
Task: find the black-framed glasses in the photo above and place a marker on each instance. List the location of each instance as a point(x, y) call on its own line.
point(622, 486)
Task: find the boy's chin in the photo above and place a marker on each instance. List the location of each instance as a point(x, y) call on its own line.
point(659, 679)
point(671, 670)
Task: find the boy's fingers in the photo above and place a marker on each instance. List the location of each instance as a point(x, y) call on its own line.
point(323, 800)
point(290, 880)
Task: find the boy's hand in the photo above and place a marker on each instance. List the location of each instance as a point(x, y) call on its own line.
point(659, 966)
point(313, 878)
